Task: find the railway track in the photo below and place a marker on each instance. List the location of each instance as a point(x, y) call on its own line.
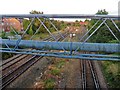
point(83, 74)
point(89, 77)
point(16, 66)
point(88, 72)
point(94, 76)
point(15, 73)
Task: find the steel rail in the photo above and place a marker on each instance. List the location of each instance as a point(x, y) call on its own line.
point(95, 79)
point(84, 76)
point(84, 82)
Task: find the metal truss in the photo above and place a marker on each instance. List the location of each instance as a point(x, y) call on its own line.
point(55, 48)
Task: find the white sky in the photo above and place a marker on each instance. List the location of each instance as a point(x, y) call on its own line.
point(58, 6)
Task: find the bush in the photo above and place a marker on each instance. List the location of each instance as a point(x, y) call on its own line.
point(112, 73)
point(55, 71)
point(49, 83)
point(6, 55)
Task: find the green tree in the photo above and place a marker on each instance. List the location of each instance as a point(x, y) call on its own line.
point(103, 35)
point(25, 23)
point(36, 12)
point(37, 23)
point(3, 35)
point(32, 29)
point(30, 32)
point(102, 12)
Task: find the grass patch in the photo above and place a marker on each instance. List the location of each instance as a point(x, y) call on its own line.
point(53, 74)
point(49, 83)
point(37, 36)
point(55, 71)
point(6, 55)
point(118, 54)
point(60, 63)
point(112, 73)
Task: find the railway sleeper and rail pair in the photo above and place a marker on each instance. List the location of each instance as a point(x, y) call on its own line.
point(89, 80)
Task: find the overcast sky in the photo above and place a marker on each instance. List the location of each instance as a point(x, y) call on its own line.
point(58, 6)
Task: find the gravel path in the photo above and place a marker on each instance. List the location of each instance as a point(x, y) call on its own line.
point(72, 76)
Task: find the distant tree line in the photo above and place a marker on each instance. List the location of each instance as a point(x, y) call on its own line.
point(59, 24)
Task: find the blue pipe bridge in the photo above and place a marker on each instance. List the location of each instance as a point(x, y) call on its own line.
point(54, 45)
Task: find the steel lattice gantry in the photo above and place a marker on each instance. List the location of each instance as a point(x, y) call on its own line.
point(60, 49)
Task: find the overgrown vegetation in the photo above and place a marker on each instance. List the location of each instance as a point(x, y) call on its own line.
point(3, 35)
point(53, 74)
point(111, 71)
point(49, 83)
point(6, 55)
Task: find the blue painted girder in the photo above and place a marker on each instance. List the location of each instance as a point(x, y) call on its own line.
point(97, 47)
point(78, 56)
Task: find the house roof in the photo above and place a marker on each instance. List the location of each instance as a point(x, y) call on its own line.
point(12, 22)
